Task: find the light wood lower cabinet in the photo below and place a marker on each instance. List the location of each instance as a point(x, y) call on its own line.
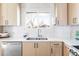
point(0, 51)
point(42, 49)
point(36, 48)
point(65, 50)
point(28, 49)
point(56, 49)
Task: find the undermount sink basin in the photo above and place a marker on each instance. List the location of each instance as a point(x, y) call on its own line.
point(36, 38)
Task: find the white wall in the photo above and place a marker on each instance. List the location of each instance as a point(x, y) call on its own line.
point(37, 7)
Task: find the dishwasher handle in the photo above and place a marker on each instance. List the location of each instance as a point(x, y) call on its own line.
point(11, 43)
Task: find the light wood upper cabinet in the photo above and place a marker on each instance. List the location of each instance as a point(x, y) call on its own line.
point(28, 49)
point(43, 49)
point(0, 15)
point(9, 13)
point(73, 13)
point(61, 14)
point(56, 49)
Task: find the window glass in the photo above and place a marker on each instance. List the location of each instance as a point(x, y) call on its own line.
point(39, 20)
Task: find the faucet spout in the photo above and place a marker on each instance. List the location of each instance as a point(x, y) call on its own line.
point(39, 35)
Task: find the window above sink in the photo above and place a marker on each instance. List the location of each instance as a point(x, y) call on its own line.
point(37, 15)
point(38, 20)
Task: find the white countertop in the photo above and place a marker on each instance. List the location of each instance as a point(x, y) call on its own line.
point(67, 41)
point(25, 39)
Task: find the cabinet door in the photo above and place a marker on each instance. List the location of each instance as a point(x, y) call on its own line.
point(0, 15)
point(65, 51)
point(28, 49)
point(61, 14)
point(9, 13)
point(43, 49)
point(1, 51)
point(56, 49)
point(73, 13)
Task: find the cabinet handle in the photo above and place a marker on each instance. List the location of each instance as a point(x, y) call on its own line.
point(6, 22)
point(56, 44)
point(34, 45)
point(37, 45)
point(56, 21)
point(51, 50)
point(74, 20)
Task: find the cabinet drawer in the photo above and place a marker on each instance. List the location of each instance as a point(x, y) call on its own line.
point(56, 43)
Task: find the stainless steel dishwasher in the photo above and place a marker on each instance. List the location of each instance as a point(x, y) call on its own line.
point(11, 48)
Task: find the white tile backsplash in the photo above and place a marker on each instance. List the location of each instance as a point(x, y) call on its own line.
point(73, 31)
point(48, 32)
point(62, 32)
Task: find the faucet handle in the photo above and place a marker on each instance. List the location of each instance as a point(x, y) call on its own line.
point(25, 35)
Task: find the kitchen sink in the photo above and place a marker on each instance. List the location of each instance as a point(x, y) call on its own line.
point(36, 38)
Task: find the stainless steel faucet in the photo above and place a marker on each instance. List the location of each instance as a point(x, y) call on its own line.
point(39, 35)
